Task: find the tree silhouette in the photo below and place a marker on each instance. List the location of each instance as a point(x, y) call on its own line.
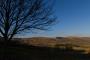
point(17, 16)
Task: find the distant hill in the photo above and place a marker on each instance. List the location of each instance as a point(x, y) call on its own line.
point(45, 41)
point(60, 42)
point(40, 41)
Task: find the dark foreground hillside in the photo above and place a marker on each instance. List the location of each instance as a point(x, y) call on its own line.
point(24, 52)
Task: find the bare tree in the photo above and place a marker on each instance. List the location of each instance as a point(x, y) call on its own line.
point(17, 16)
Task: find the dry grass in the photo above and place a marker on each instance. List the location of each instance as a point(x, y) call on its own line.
point(45, 49)
point(77, 43)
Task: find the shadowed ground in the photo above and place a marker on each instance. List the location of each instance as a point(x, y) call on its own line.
point(23, 52)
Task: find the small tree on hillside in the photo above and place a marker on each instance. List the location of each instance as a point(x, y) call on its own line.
point(17, 16)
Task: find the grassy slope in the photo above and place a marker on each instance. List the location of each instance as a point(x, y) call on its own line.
point(78, 43)
point(25, 52)
point(83, 42)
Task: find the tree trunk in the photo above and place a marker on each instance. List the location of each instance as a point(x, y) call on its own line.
point(6, 41)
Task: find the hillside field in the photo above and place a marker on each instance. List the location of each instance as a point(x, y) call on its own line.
point(77, 43)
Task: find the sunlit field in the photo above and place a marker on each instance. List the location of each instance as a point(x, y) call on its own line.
point(76, 43)
point(42, 48)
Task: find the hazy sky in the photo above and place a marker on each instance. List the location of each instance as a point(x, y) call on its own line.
point(73, 17)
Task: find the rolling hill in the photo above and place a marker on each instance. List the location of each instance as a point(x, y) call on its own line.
point(62, 42)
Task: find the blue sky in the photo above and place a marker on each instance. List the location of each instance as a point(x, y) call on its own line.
point(73, 17)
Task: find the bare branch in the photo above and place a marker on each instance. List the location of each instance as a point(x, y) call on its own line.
point(17, 16)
